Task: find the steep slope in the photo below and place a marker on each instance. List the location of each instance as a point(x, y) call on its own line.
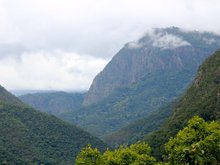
point(202, 98)
point(161, 50)
point(7, 97)
point(32, 137)
point(54, 102)
point(143, 77)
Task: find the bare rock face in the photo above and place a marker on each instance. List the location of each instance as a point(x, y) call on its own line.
point(165, 50)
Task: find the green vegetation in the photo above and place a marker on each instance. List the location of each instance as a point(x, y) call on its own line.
point(198, 143)
point(7, 97)
point(138, 129)
point(202, 99)
point(54, 102)
point(28, 136)
point(129, 104)
point(136, 154)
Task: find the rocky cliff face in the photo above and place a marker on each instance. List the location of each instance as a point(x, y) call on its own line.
point(159, 50)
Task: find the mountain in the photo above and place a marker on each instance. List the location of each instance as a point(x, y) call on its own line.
point(202, 98)
point(142, 77)
point(54, 102)
point(162, 50)
point(32, 137)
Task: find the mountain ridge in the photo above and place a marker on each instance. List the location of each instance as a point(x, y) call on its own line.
point(54, 103)
point(136, 59)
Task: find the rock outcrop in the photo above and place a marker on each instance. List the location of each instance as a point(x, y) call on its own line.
point(160, 50)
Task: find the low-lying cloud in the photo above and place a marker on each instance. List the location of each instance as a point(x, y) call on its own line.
point(168, 41)
point(96, 29)
point(50, 71)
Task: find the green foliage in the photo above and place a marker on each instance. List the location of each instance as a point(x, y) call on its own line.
point(202, 98)
point(198, 143)
point(6, 97)
point(136, 154)
point(89, 155)
point(129, 104)
point(28, 136)
point(54, 102)
point(138, 129)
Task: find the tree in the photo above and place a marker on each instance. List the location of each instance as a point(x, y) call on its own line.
point(136, 154)
point(89, 156)
point(198, 143)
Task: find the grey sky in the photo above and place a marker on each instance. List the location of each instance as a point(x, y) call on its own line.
point(63, 44)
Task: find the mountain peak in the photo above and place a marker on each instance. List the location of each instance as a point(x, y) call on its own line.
point(161, 49)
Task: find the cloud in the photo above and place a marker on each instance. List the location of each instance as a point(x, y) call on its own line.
point(93, 30)
point(168, 41)
point(133, 45)
point(99, 28)
point(44, 70)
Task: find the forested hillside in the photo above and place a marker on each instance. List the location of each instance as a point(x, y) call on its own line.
point(136, 130)
point(202, 98)
point(32, 137)
point(54, 103)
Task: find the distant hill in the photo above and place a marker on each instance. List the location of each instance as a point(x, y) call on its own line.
point(32, 137)
point(142, 77)
point(54, 102)
point(202, 98)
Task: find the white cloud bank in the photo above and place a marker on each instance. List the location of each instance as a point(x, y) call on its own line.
point(94, 29)
point(46, 71)
point(168, 41)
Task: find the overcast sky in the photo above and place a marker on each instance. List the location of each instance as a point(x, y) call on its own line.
point(63, 44)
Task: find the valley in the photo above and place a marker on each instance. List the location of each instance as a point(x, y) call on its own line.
point(152, 89)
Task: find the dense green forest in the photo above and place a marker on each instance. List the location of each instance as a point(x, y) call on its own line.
point(54, 103)
point(201, 98)
point(198, 143)
point(136, 131)
point(32, 137)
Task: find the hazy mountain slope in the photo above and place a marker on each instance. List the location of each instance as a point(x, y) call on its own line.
point(142, 77)
point(161, 50)
point(54, 102)
point(202, 98)
point(128, 104)
point(32, 137)
point(136, 130)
